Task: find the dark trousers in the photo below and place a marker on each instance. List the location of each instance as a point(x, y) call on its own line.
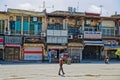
point(61, 69)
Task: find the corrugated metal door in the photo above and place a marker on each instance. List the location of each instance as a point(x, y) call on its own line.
point(33, 53)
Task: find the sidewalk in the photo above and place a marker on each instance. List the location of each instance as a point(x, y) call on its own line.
point(50, 72)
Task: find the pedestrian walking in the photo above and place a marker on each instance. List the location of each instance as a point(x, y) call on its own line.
point(61, 65)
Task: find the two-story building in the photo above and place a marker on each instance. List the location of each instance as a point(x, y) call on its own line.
point(56, 35)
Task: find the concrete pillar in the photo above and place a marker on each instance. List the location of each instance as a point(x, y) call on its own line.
point(3, 54)
point(5, 25)
point(8, 25)
point(81, 54)
point(104, 53)
point(29, 25)
point(83, 22)
point(44, 23)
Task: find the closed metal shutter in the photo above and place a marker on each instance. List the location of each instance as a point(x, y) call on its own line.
point(33, 53)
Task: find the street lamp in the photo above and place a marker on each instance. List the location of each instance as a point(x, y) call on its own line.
point(5, 7)
point(101, 6)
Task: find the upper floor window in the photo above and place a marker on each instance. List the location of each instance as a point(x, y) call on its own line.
point(25, 19)
point(107, 31)
point(73, 30)
point(18, 18)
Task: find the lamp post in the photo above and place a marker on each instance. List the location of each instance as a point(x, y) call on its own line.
point(101, 6)
point(5, 7)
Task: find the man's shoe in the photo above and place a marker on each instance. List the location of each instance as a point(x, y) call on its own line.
point(58, 73)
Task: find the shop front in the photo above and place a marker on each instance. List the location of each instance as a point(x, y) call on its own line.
point(56, 51)
point(1, 48)
point(110, 47)
point(13, 46)
point(93, 45)
point(33, 48)
point(75, 51)
point(92, 50)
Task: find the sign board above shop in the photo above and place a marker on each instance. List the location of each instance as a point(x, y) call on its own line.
point(110, 42)
point(33, 40)
point(13, 39)
point(92, 35)
point(1, 39)
point(96, 43)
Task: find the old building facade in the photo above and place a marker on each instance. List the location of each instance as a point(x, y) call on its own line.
point(30, 35)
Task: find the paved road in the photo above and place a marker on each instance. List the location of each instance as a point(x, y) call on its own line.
point(50, 72)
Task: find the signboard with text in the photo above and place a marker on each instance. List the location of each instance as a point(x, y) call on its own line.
point(92, 35)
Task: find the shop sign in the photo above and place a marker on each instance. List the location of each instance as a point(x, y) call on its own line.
point(92, 34)
point(13, 40)
point(57, 47)
point(111, 47)
point(12, 45)
point(93, 42)
point(1, 40)
point(110, 42)
point(33, 40)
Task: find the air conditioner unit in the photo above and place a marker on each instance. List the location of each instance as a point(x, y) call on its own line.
point(70, 36)
point(43, 34)
point(80, 36)
point(34, 18)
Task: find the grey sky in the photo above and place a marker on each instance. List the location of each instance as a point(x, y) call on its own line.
point(109, 6)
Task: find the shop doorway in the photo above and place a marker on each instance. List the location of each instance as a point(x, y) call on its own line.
point(56, 53)
point(92, 52)
point(12, 53)
point(111, 54)
point(74, 53)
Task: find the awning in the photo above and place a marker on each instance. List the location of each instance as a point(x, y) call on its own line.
point(75, 44)
point(33, 45)
point(94, 43)
point(56, 47)
point(12, 45)
point(111, 47)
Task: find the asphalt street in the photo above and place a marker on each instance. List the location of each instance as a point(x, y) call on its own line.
point(50, 72)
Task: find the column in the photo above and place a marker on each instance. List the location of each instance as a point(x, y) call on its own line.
point(8, 25)
point(83, 22)
point(81, 54)
point(22, 24)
